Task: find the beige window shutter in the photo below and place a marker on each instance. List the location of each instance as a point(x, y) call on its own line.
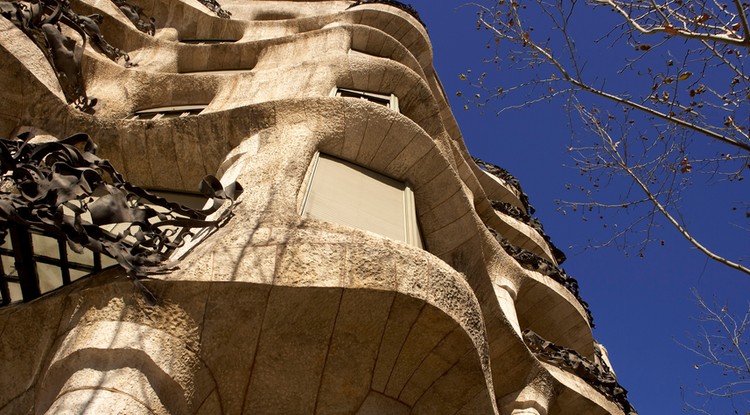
point(350, 195)
point(390, 101)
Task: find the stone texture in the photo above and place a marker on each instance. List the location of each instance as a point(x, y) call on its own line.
point(274, 313)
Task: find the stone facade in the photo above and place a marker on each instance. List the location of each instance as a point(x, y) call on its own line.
point(278, 312)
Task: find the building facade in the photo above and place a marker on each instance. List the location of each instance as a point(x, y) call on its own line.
point(371, 265)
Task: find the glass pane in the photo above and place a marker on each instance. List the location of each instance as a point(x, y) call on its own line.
point(364, 95)
point(76, 274)
point(106, 262)
point(45, 246)
point(207, 41)
point(115, 228)
point(50, 277)
point(145, 116)
point(6, 243)
point(15, 291)
point(9, 265)
point(381, 101)
point(86, 257)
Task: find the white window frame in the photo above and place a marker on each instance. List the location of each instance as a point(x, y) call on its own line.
point(390, 101)
point(412, 235)
point(219, 72)
point(161, 112)
point(206, 41)
point(51, 257)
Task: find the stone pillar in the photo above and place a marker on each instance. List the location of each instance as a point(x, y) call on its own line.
point(534, 399)
point(120, 355)
point(506, 297)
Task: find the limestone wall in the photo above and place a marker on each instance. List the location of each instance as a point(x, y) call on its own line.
point(275, 312)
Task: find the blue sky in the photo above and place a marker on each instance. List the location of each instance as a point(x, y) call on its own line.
point(642, 306)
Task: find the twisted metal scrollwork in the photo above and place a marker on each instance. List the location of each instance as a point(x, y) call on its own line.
point(40, 20)
point(215, 7)
point(90, 25)
point(136, 16)
point(533, 262)
point(405, 7)
point(600, 377)
point(517, 213)
point(64, 190)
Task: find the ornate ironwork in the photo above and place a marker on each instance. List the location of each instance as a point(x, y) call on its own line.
point(215, 7)
point(63, 190)
point(505, 176)
point(405, 7)
point(40, 21)
point(517, 213)
point(533, 262)
point(136, 16)
point(600, 377)
point(90, 25)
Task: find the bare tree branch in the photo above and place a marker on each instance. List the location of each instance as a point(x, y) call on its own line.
point(722, 344)
point(576, 81)
point(726, 35)
point(683, 114)
point(610, 146)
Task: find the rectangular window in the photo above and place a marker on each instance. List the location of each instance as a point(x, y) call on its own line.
point(207, 41)
point(350, 195)
point(167, 112)
point(389, 101)
point(33, 263)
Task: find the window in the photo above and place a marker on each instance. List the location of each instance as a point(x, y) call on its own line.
point(220, 71)
point(167, 112)
point(274, 15)
point(207, 41)
point(347, 194)
point(389, 101)
point(33, 263)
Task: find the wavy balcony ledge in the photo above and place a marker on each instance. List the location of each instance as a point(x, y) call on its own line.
point(521, 235)
point(597, 375)
point(544, 306)
point(554, 254)
point(501, 186)
point(405, 7)
point(533, 262)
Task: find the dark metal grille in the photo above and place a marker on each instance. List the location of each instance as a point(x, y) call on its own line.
point(534, 262)
point(597, 375)
point(34, 263)
point(64, 212)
